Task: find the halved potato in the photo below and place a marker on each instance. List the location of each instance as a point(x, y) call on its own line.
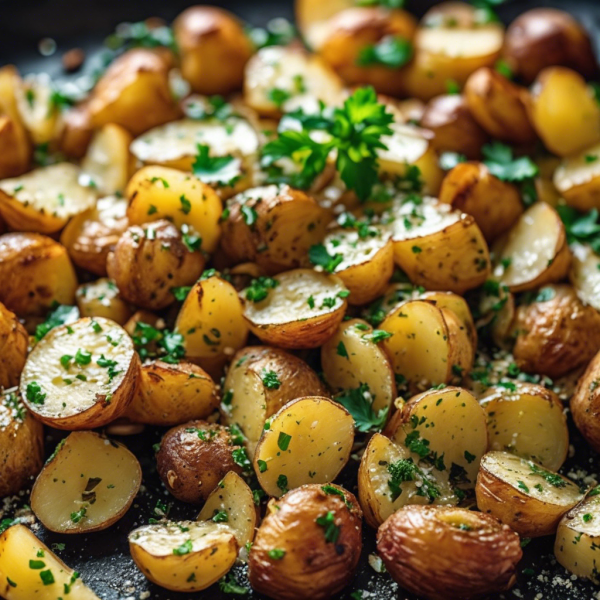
point(524, 495)
point(50, 578)
point(577, 178)
point(585, 403)
point(44, 200)
point(308, 441)
point(183, 556)
point(161, 193)
point(101, 298)
point(81, 375)
point(287, 318)
point(88, 484)
point(534, 251)
point(91, 235)
point(585, 274)
point(449, 553)
point(528, 421)
point(15, 148)
point(35, 272)
point(234, 498)
point(14, 343)
point(38, 113)
point(169, 394)
point(260, 381)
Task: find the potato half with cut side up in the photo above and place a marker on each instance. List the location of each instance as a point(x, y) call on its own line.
point(585, 403)
point(101, 298)
point(535, 250)
point(184, 556)
point(233, 502)
point(528, 421)
point(577, 179)
point(44, 199)
point(50, 578)
point(577, 538)
point(585, 274)
point(524, 495)
point(87, 485)
point(170, 394)
point(260, 381)
point(308, 441)
point(315, 525)
point(287, 318)
point(35, 272)
point(82, 375)
point(14, 343)
point(443, 553)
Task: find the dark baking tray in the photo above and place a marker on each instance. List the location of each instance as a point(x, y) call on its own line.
point(103, 558)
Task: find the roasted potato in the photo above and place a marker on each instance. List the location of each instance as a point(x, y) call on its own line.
point(170, 394)
point(286, 316)
point(194, 457)
point(585, 403)
point(585, 274)
point(35, 272)
point(546, 37)
point(214, 49)
point(21, 444)
point(443, 553)
point(13, 348)
point(88, 484)
point(556, 333)
point(315, 525)
point(528, 421)
point(260, 381)
point(76, 132)
point(524, 495)
point(46, 580)
point(15, 148)
point(577, 179)
point(82, 375)
point(101, 298)
point(308, 440)
point(494, 204)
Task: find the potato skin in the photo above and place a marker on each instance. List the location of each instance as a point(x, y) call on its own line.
point(585, 404)
point(424, 550)
point(556, 336)
point(15, 148)
point(311, 567)
point(13, 348)
point(191, 468)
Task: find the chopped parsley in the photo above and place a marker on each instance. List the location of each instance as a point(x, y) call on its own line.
point(319, 256)
point(358, 403)
point(259, 288)
point(282, 483)
point(34, 393)
point(392, 51)
point(185, 548)
point(276, 553)
point(500, 161)
point(283, 441)
point(331, 530)
point(270, 380)
point(222, 170)
point(60, 315)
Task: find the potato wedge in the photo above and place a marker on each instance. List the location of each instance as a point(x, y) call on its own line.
point(495, 205)
point(50, 578)
point(21, 444)
point(524, 495)
point(160, 193)
point(169, 553)
point(286, 458)
point(577, 179)
point(36, 273)
point(528, 421)
point(234, 498)
point(44, 199)
point(585, 403)
point(448, 553)
point(82, 375)
point(170, 394)
point(286, 317)
point(274, 227)
point(532, 265)
point(14, 343)
point(15, 148)
point(101, 298)
point(88, 484)
point(260, 381)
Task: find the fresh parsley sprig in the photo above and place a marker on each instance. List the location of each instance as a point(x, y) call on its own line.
point(359, 406)
point(581, 227)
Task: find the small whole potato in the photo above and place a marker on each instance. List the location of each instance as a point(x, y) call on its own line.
point(447, 553)
point(13, 348)
point(214, 49)
point(308, 545)
point(194, 457)
point(149, 261)
point(545, 37)
point(585, 404)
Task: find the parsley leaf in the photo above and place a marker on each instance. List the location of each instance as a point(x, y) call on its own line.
point(500, 161)
point(327, 522)
point(319, 256)
point(392, 51)
point(406, 470)
point(259, 288)
point(60, 315)
point(581, 227)
point(223, 170)
point(361, 409)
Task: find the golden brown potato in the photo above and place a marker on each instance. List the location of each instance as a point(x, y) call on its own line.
point(585, 403)
point(101, 299)
point(546, 37)
point(564, 112)
point(494, 204)
point(35, 272)
point(312, 17)
point(443, 553)
point(577, 179)
point(170, 394)
point(214, 49)
point(556, 333)
point(274, 227)
point(13, 348)
point(15, 148)
point(353, 31)
point(134, 92)
point(77, 131)
point(148, 262)
point(453, 126)
point(498, 106)
point(317, 526)
point(194, 457)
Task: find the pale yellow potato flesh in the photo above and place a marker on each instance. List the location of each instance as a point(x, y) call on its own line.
point(585, 274)
point(577, 179)
point(101, 298)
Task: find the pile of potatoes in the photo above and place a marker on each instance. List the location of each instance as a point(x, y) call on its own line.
point(277, 335)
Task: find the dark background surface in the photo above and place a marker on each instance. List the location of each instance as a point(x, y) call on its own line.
point(103, 558)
